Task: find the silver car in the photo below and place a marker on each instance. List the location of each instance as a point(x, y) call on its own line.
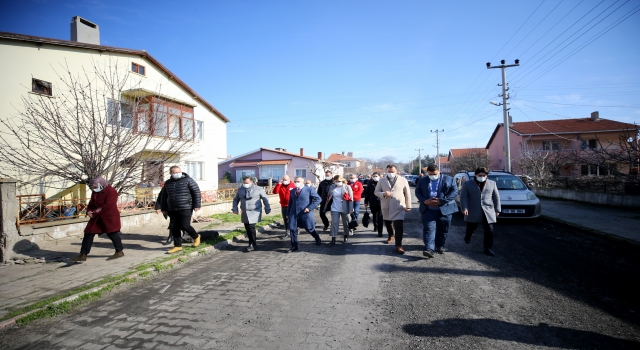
point(516, 199)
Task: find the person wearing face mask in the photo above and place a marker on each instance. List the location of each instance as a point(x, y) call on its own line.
point(323, 192)
point(283, 189)
point(340, 207)
point(480, 203)
point(307, 183)
point(437, 194)
point(304, 199)
point(373, 202)
point(395, 200)
point(104, 217)
point(357, 188)
point(178, 199)
point(251, 198)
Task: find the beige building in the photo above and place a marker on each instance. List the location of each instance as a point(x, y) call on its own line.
point(165, 107)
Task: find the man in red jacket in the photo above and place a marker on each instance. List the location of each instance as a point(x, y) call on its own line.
point(357, 188)
point(282, 189)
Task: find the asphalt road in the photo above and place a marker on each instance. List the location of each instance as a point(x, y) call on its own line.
point(549, 287)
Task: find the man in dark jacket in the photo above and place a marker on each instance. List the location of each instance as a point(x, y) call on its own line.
point(372, 201)
point(180, 197)
point(323, 192)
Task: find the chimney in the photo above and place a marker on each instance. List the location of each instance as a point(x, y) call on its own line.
point(278, 149)
point(284, 150)
point(350, 154)
point(319, 155)
point(595, 116)
point(83, 31)
point(343, 153)
point(302, 152)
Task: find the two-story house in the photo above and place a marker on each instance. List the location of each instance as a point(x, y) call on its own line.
point(351, 164)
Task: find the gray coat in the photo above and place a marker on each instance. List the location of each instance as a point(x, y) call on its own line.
point(487, 202)
point(252, 206)
point(347, 206)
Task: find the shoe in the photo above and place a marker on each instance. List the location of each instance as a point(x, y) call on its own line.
point(325, 228)
point(174, 250)
point(249, 248)
point(489, 252)
point(196, 241)
point(318, 241)
point(440, 250)
point(379, 234)
point(117, 255)
point(428, 253)
point(286, 235)
point(169, 240)
point(333, 241)
point(293, 249)
point(467, 239)
point(79, 258)
point(390, 239)
point(399, 250)
point(345, 240)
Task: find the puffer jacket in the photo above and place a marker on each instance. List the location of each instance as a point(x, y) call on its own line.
point(370, 197)
point(181, 194)
point(323, 189)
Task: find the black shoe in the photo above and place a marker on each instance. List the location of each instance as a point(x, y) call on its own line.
point(293, 249)
point(169, 240)
point(325, 228)
point(440, 250)
point(318, 241)
point(467, 239)
point(345, 240)
point(250, 248)
point(428, 253)
point(333, 241)
point(489, 252)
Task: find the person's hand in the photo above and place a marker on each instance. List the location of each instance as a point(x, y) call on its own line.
point(158, 211)
point(90, 214)
point(267, 211)
point(465, 212)
point(164, 212)
point(497, 213)
point(427, 202)
point(351, 212)
point(196, 209)
point(387, 193)
point(280, 182)
point(306, 210)
point(407, 209)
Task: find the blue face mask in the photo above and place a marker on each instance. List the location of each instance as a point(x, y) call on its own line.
point(176, 176)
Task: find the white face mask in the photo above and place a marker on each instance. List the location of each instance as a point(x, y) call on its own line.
point(246, 185)
point(391, 175)
point(176, 175)
point(286, 182)
point(338, 183)
point(308, 185)
point(375, 178)
point(328, 178)
point(481, 178)
point(299, 184)
point(98, 188)
point(352, 180)
point(434, 177)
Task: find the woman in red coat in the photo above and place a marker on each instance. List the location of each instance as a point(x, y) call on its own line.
point(104, 218)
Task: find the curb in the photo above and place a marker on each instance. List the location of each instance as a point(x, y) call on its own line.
point(204, 251)
point(594, 232)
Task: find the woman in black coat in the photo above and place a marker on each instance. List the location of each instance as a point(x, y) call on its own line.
point(373, 202)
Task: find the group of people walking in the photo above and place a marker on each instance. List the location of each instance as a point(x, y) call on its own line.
point(388, 196)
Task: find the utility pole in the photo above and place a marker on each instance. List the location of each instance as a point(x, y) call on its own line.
point(419, 160)
point(505, 110)
point(438, 145)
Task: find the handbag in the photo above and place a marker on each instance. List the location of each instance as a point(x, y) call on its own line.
point(353, 224)
point(345, 196)
point(366, 218)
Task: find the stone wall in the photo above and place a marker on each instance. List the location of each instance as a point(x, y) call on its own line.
point(605, 199)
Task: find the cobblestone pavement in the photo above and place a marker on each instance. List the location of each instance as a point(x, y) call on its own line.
point(359, 295)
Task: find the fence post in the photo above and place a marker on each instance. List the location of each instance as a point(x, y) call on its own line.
point(8, 217)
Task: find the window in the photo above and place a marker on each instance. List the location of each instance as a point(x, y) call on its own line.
point(41, 87)
point(276, 172)
point(199, 130)
point(550, 145)
point(195, 170)
point(241, 173)
point(301, 172)
point(593, 144)
point(136, 68)
point(119, 113)
point(165, 118)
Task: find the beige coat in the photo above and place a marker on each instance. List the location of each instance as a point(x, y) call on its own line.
point(394, 206)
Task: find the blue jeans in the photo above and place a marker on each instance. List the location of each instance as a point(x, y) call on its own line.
point(356, 210)
point(435, 227)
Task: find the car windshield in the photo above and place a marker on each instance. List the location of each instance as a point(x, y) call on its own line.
point(508, 182)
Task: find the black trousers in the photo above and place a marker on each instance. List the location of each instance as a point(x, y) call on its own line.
point(323, 215)
point(376, 217)
point(251, 233)
point(87, 242)
point(285, 218)
point(181, 221)
point(488, 231)
point(395, 228)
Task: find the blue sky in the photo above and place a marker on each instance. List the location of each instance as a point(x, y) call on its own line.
point(373, 77)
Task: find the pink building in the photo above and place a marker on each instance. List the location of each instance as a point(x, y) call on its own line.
point(265, 163)
point(563, 135)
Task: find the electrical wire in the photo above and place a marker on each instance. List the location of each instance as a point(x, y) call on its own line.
point(580, 105)
point(516, 32)
point(534, 28)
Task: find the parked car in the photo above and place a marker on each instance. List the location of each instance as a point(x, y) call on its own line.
point(516, 199)
point(411, 179)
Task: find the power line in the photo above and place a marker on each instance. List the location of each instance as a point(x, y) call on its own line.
point(580, 105)
point(516, 32)
point(534, 28)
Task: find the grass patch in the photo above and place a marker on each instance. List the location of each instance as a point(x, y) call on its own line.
point(144, 273)
point(227, 217)
point(161, 267)
point(183, 259)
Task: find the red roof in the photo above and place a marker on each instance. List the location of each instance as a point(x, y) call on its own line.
point(459, 152)
point(337, 157)
point(444, 160)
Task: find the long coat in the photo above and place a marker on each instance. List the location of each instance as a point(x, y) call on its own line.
point(252, 206)
point(106, 217)
point(477, 203)
point(393, 207)
point(447, 193)
point(307, 199)
point(347, 206)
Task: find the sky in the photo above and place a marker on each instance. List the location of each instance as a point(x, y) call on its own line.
point(373, 77)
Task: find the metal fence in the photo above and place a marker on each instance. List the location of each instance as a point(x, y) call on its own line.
point(36, 208)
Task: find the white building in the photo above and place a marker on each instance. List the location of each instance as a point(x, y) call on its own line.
point(31, 65)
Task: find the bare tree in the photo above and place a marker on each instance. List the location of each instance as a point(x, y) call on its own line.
point(99, 123)
point(616, 155)
point(319, 168)
point(470, 161)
